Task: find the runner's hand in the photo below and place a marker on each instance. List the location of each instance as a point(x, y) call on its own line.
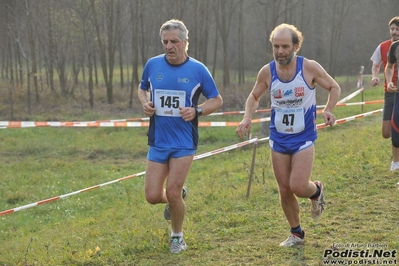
point(391, 87)
point(243, 128)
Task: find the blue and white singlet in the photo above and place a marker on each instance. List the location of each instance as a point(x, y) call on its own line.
point(293, 104)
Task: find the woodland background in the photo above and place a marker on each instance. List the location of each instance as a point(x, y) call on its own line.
point(58, 55)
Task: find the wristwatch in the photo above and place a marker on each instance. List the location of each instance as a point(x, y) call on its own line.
point(198, 111)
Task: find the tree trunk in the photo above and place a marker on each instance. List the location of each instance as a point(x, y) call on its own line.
point(102, 49)
point(241, 67)
point(134, 11)
point(32, 52)
point(95, 67)
point(51, 48)
point(121, 64)
point(90, 84)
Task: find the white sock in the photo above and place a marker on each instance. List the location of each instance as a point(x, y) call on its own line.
point(177, 234)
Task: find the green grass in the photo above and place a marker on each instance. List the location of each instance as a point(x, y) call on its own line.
point(114, 225)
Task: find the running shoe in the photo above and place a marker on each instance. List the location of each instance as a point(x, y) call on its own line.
point(317, 205)
point(177, 244)
point(293, 240)
point(394, 166)
point(166, 212)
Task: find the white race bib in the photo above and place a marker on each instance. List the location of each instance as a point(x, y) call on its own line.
point(167, 102)
point(289, 120)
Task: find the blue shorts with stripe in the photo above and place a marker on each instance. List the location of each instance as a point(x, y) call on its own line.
point(162, 155)
point(290, 148)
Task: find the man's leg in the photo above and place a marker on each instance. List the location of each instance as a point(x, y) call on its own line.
point(301, 170)
point(284, 166)
point(282, 172)
point(155, 176)
point(386, 129)
point(293, 173)
point(178, 172)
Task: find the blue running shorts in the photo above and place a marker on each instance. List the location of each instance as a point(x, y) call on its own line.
point(290, 148)
point(162, 155)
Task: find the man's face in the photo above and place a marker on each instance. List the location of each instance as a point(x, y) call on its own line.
point(394, 32)
point(175, 47)
point(283, 48)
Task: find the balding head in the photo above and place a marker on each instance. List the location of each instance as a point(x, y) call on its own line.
point(283, 29)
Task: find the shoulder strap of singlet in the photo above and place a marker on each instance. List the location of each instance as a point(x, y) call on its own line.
point(273, 70)
point(299, 63)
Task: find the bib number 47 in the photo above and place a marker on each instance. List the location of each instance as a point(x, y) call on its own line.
point(288, 119)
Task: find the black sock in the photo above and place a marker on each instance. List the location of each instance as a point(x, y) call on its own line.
point(297, 231)
point(317, 194)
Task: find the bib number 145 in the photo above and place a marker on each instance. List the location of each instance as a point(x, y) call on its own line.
point(167, 102)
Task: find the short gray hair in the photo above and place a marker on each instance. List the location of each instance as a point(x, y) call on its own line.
point(175, 24)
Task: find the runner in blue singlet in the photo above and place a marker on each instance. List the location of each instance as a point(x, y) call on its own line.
point(169, 91)
point(291, 81)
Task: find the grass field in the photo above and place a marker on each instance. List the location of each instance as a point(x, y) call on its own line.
point(114, 225)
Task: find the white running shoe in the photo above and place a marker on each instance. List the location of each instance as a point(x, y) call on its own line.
point(293, 240)
point(166, 212)
point(177, 244)
point(317, 205)
point(394, 166)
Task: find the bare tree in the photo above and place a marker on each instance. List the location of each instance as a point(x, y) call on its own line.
point(32, 47)
point(224, 14)
point(135, 13)
point(83, 10)
point(8, 12)
point(109, 41)
point(121, 53)
point(241, 66)
point(174, 8)
point(202, 23)
point(340, 10)
point(50, 47)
